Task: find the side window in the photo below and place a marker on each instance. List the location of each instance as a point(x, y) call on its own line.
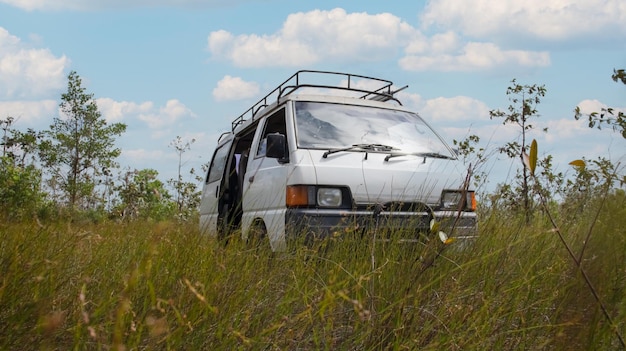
point(274, 124)
point(242, 151)
point(218, 164)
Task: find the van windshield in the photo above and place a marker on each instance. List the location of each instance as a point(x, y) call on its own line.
point(331, 126)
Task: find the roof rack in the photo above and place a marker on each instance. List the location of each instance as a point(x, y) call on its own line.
point(297, 81)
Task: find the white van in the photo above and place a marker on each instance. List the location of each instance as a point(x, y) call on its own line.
point(321, 155)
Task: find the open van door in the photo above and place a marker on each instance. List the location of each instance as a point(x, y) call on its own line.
point(264, 185)
point(213, 192)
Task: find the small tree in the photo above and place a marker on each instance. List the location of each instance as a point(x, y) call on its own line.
point(187, 194)
point(79, 146)
point(524, 99)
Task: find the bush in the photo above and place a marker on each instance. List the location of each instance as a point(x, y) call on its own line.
point(20, 192)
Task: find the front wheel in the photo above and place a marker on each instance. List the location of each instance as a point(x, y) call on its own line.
point(258, 240)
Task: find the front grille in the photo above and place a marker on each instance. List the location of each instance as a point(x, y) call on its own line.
point(396, 206)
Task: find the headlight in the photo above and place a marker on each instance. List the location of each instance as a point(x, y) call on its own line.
point(452, 200)
point(315, 196)
point(329, 197)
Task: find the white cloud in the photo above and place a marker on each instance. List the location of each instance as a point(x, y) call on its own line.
point(411, 100)
point(32, 112)
point(8, 42)
point(220, 42)
point(115, 111)
point(562, 130)
point(472, 57)
point(155, 117)
point(166, 116)
point(235, 88)
point(30, 5)
point(29, 112)
point(26, 72)
point(323, 36)
point(490, 134)
point(176, 110)
point(91, 5)
point(142, 155)
point(590, 106)
point(547, 20)
point(437, 44)
point(455, 109)
point(315, 36)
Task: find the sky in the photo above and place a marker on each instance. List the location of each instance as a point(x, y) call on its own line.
point(187, 68)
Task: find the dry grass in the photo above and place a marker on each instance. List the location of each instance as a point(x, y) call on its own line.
point(146, 286)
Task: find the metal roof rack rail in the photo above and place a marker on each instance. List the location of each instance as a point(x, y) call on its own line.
point(222, 135)
point(382, 96)
point(296, 82)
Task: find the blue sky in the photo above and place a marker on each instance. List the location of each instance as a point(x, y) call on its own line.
point(186, 68)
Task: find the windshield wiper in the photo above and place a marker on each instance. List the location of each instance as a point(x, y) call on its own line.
point(420, 154)
point(361, 147)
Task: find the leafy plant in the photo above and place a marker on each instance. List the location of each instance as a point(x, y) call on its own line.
point(531, 163)
point(524, 99)
point(20, 191)
point(143, 195)
point(79, 147)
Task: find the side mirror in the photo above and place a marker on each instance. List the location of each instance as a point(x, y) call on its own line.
point(277, 147)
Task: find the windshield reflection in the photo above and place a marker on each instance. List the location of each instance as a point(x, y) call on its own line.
point(330, 126)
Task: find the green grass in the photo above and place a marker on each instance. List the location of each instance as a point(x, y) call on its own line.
point(146, 286)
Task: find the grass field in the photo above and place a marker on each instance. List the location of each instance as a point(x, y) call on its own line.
point(155, 285)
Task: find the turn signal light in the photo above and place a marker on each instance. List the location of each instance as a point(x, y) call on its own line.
point(300, 195)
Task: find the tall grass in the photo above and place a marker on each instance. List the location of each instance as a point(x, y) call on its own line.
point(146, 286)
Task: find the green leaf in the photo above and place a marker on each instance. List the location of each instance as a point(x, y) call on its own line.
point(532, 159)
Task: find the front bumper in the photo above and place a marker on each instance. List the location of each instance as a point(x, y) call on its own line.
point(310, 223)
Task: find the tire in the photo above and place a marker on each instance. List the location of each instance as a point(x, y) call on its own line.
point(258, 240)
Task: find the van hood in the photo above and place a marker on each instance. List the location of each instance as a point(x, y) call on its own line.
point(400, 179)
